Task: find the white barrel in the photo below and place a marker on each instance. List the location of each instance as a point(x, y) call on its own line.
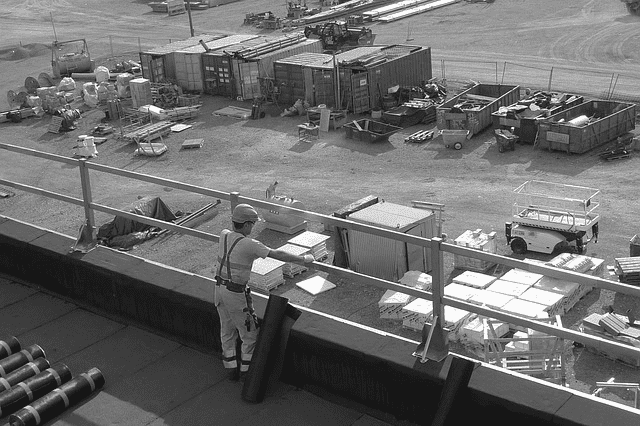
point(580, 120)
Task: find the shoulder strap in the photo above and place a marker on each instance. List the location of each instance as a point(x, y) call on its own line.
point(227, 255)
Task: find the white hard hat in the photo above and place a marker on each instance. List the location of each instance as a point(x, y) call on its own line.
point(244, 213)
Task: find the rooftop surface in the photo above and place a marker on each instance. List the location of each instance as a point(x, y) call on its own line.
point(149, 379)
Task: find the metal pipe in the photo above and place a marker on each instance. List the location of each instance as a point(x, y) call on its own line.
point(28, 370)
point(17, 360)
point(9, 345)
point(33, 388)
point(59, 399)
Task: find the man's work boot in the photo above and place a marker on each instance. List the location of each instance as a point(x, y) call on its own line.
point(233, 374)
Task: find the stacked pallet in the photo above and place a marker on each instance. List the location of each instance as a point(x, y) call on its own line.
point(571, 292)
point(266, 274)
point(603, 325)
point(391, 304)
point(290, 269)
point(476, 240)
point(314, 242)
point(416, 279)
point(472, 333)
point(553, 301)
point(416, 313)
point(490, 299)
point(474, 279)
point(148, 132)
point(460, 292)
point(628, 269)
point(509, 288)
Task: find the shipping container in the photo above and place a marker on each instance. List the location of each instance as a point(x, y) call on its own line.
point(219, 75)
point(307, 76)
point(471, 109)
point(256, 74)
point(188, 61)
point(586, 126)
point(368, 76)
point(387, 258)
point(525, 115)
point(158, 64)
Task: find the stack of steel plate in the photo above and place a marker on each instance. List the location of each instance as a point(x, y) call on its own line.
point(509, 288)
point(490, 299)
point(552, 301)
point(416, 279)
point(266, 274)
point(459, 291)
point(316, 243)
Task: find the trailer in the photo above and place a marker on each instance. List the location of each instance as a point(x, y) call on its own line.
point(551, 217)
point(471, 109)
point(586, 126)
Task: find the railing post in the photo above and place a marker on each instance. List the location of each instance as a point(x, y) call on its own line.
point(437, 277)
point(90, 221)
point(233, 197)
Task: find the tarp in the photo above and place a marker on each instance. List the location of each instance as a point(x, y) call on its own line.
point(148, 206)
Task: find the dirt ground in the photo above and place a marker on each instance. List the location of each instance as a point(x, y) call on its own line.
point(474, 183)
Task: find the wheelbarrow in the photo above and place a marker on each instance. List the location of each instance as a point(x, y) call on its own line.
point(506, 140)
point(454, 138)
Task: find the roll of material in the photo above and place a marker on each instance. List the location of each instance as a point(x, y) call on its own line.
point(28, 370)
point(580, 120)
point(58, 400)
point(33, 388)
point(17, 360)
point(269, 350)
point(9, 345)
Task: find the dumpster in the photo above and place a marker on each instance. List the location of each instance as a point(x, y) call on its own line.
point(369, 131)
point(471, 109)
point(525, 114)
point(586, 126)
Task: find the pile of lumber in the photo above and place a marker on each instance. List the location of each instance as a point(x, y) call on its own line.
point(628, 270)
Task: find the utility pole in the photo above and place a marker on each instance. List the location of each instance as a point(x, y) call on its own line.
point(190, 21)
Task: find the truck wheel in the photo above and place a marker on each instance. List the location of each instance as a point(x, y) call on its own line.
point(458, 145)
point(518, 246)
point(500, 148)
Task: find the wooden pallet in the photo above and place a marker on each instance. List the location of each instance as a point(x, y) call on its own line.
point(419, 136)
point(192, 143)
point(149, 132)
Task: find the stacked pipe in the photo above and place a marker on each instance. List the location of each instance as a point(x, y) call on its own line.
point(32, 391)
point(59, 399)
point(261, 49)
point(18, 359)
point(33, 388)
point(9, 345)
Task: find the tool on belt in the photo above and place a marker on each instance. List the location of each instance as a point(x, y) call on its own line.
point(237, 288)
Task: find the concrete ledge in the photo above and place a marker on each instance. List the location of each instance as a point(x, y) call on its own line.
point(334, 356)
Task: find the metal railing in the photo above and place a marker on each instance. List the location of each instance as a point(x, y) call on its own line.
point(436, 245)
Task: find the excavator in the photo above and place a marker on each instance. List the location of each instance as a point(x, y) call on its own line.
point(338, 35)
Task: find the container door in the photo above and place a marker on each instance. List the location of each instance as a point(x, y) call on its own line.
point(217, 71)
point(248, 77)
point(323, 83)
point(289, 82)
point(360, 93)
point(153, 68)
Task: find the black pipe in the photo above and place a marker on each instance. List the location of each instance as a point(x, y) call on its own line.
point(9, 345)
point(17, 360)
point(33, 388)
point(57, 401)
point(28, 370)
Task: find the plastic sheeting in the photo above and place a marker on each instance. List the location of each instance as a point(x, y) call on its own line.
point(148, 206)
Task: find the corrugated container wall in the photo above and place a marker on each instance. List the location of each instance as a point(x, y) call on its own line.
point(158, 64)
point(298, 76)
point(251, 71)
point(384, 257)
point(407, 66)
point(188, 61)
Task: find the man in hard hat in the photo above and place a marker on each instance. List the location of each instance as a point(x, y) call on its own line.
point(232, 296)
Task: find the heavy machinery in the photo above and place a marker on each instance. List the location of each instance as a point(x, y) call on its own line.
point(552, 217)
point(338, 35)
point(633, 6)
point(70, 56)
